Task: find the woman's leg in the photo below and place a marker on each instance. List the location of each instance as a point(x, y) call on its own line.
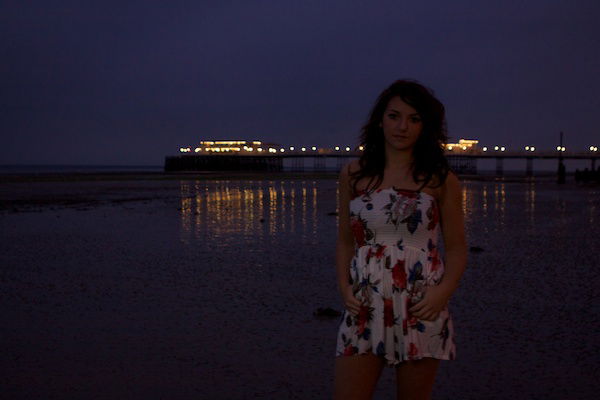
point(415, 378)
point(356, 376)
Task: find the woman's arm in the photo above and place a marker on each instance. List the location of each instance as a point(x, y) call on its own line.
point(453, 232)
point(345, 243)
point(455, 260)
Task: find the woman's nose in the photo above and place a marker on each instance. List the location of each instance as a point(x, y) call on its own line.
point(402, 124)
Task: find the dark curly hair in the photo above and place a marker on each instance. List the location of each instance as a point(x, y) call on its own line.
point(429, 160)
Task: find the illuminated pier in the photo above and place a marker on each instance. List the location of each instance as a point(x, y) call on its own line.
point(255, 155)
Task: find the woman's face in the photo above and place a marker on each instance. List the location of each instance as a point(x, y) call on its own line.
point(401, 124)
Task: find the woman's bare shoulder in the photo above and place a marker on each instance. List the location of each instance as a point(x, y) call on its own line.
point(451, 180)
point(347, 176)
point(353, 166)
point(439, 188)
point(451, 186)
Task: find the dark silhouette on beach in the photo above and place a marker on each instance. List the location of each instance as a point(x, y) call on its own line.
point(562, 172)
point(587, 175)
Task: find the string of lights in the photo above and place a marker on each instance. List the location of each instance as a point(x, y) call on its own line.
point(256, 146)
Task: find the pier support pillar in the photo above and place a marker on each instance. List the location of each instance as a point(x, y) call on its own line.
point(593, 164)
point(298, 164)
point(529, 168)
point(340, 162)
point(499, 166)
point(319, 163)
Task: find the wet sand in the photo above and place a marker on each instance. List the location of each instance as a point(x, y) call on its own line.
point(206, 288)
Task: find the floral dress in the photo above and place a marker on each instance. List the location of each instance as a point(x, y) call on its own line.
point(396, 257)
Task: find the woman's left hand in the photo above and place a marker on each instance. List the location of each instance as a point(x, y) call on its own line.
point(434, 301)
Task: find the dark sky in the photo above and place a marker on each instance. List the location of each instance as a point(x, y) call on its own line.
point(128, 82)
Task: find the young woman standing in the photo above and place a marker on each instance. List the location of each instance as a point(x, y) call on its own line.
point(394, 202)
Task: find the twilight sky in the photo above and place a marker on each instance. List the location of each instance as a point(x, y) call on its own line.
point(129, 82)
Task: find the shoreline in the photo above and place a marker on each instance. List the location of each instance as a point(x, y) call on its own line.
point(83, 191)
point(215, 175)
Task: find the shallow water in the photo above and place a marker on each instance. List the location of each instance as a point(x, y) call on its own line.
point(188, 289)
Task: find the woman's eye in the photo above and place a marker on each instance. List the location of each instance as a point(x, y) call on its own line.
point(415, 119)
point(392, 116)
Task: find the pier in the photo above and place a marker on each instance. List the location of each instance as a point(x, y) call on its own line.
point(319, 159)
point(255, 155)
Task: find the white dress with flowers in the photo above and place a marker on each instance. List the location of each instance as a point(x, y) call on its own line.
point(396, 258)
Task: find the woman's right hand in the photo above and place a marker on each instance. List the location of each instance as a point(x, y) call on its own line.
point(350, 301)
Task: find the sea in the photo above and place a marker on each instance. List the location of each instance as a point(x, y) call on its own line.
point(486, 167)
point(68, 168)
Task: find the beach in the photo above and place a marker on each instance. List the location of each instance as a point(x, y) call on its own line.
point(181, 286)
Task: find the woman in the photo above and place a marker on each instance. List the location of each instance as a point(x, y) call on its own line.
point(394, 201)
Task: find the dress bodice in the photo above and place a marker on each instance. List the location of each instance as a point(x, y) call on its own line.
point(395, 217)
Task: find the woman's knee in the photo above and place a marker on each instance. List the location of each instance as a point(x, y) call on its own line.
point(415, 378)
point(356, 376)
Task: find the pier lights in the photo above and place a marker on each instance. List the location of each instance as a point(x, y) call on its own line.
point(496, 148)
point(594, 148)
point(303, 149)
point(250, 149)
point(449, 148)
point(259, 149)
point(291, 148)
point(337, 148)
point(502, 148)
point(197, 149)
point(561, 148)
point(282, 150)
point(347, 148)
point(313, 148)
point(361, 148)
point(485, 148)
point(529, 148)
point(464, 147)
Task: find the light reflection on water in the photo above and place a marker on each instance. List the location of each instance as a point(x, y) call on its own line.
point(266, 209)
point(530, 202)
point(499, 202)
point(252, 209)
